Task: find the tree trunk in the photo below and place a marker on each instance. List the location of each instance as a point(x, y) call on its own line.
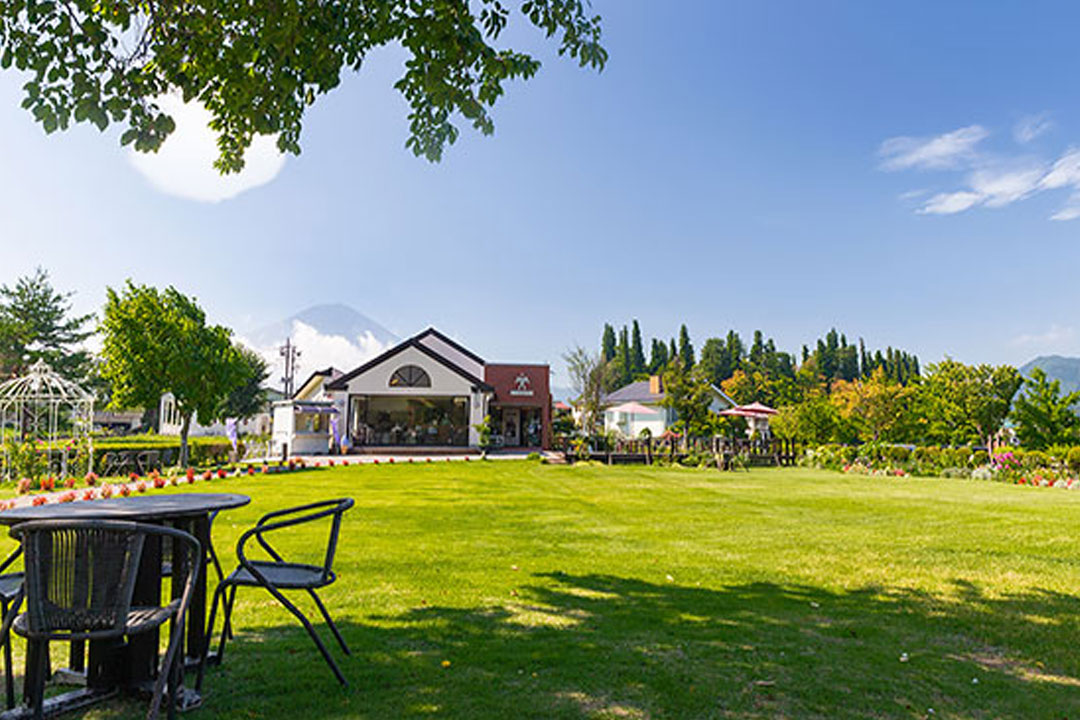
point(185, 426)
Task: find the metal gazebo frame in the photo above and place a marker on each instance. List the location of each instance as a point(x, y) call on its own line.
point(37, 406)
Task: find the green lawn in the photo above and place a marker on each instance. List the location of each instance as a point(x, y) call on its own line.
point(573, 592)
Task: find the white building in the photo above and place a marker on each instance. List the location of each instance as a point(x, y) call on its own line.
point(426, 392)
point(638, 407)
point(170, 421)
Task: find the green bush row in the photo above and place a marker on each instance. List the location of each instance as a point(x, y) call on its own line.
point(933, 460)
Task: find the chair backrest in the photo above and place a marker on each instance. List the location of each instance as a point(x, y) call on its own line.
point(80, 575)
point(335, 530)
point(333, 509)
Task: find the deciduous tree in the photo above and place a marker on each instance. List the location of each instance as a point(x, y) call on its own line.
point(257, 67)
point(1043, 415)
point(157, 342)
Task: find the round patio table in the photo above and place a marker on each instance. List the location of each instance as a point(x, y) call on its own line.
point(132, 666)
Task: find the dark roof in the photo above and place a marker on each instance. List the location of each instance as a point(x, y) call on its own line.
point(634, 392)
point(340, 383)
point(330, 372)
point(639, 392)
point(456, 345)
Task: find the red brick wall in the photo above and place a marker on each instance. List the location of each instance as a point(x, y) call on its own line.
point(508, 391)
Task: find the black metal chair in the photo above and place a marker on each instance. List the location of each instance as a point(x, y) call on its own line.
point(79, 585)
point(276, 575)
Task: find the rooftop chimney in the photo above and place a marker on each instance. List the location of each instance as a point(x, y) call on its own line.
point(656, 385)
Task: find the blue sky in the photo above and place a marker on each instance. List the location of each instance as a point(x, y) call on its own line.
point(893, 170)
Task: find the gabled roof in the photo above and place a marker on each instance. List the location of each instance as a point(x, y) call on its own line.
point(330, 372)
point(432, 332)
point(341, 383)
point(639, 392)
point(634, 392)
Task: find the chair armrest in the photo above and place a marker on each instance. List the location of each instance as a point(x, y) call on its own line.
point(315, 511)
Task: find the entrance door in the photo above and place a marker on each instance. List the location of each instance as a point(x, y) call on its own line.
point(511, 427)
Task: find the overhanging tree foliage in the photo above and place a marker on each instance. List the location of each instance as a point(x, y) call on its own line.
point(157, 342)
point(257, 66)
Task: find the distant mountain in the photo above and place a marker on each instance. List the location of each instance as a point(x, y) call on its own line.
point(1056, 367)
point(333, 335)
point(334, 320)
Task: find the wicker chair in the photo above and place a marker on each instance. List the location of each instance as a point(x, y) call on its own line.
point(79, 583)
point(10, 599)
point(276, 575)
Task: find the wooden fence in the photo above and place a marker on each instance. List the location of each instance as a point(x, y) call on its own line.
point(726, 453)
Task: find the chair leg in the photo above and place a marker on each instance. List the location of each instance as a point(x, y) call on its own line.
point(37, 655)
point(330, 622)
point(210, 637)
point(9, 675)
point(311, 631)
point(228, 614)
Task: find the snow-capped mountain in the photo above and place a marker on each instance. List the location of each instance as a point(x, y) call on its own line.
point(327, 335)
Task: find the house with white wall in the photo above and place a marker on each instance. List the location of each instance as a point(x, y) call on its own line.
point(638, 407)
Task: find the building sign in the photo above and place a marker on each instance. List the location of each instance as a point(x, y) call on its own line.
point(522, 386)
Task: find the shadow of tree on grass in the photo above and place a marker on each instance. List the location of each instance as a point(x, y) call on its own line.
point(576, 646)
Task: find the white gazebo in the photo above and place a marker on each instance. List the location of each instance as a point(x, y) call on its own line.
point(43, 406)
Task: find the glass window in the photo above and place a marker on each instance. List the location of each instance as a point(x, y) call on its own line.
point(410, 376)
point(395, 420)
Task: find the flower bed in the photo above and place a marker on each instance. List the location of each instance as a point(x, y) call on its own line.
point(1058, 468)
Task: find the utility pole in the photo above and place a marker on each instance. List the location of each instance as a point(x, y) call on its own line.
point(290, 352)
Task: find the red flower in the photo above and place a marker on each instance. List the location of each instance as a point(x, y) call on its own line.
point(69, 483)
point(141, 486)
point(48, 483)
point(125, 490)
point(159, 482)
point(39, 500)
point(207, 475)
point(330, 463)
point(221, 473)
point(91, 479)
point(345, 463)
point(133, 476)
point(88, 495)
point(376, 461)
point(251, 470)
point(106, 490)
point(67, 497)
point(190, 474)
point(390, 460)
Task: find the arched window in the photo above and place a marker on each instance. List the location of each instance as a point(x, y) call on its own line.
point(410, 376)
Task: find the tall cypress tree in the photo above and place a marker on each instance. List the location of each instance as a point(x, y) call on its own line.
point(607, 343)
point(626, 373)
point(637, 352)
point(686, 349)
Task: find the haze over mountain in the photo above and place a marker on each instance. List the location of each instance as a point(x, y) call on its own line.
point(1057, 367)
point(326, 335)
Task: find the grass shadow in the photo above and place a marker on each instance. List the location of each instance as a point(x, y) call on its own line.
point(576, 646)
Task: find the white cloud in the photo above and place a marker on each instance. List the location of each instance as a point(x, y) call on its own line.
point(184, 164)
point(992, 180)
point(1071, 211)
point(949, 150)
point(1065, 172)
point(950, 203)
point(320, 351)
point(1054, 337)
point(1031, 127)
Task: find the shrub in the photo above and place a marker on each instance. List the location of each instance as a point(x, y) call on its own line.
point(956, 472)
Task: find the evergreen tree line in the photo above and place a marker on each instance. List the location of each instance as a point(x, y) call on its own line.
point(771, 373)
